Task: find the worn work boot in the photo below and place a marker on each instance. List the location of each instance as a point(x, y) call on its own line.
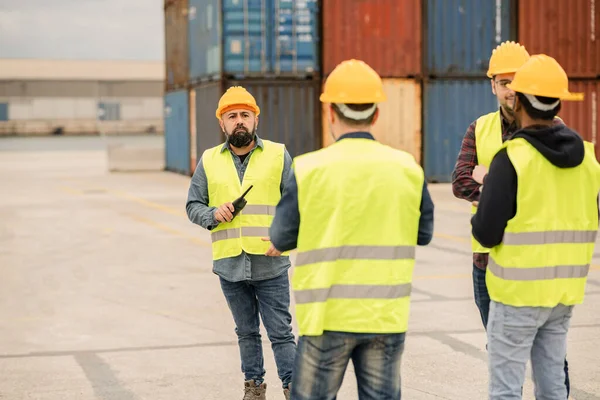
point(253, 392)
point(287, 392)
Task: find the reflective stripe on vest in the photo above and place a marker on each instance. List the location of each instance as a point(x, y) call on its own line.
point(548, 266)
point(264, 171)
point(353, 292)
point(353, 270)
point(355, 253)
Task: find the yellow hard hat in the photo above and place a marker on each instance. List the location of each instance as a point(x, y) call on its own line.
point(507, 58)
point(543, 76)
point(353, 82)
point(237, 97)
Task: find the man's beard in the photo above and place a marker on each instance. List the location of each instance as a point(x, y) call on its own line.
point(240, 137)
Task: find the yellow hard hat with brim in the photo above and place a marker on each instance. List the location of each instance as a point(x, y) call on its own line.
point(543, 76)
point(353, 82)
point(236, 97)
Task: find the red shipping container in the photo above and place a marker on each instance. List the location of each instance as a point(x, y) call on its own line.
point(386, 34)
point(565, 30)
point(584, 116)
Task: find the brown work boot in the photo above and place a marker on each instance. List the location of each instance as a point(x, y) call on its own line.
point(253, 392)
point(287, 392)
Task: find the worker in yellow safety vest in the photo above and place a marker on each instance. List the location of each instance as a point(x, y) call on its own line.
point(355, 212)
point(252, 283)
point(538, 213)
point(484, 137)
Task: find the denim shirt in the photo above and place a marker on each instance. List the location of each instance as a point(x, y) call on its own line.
point(245, 266)
point(285, 226)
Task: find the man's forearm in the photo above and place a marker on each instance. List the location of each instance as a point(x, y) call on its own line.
point(201, 214)
point(196, 207)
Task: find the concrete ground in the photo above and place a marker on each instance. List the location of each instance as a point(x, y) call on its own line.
point(106, 292)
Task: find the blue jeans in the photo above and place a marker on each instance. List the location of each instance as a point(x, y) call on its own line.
point(518, 334)
point(271, 299)
point(482, 300)
point(321, 362)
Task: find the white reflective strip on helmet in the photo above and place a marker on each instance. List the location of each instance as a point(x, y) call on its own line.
point(538, 105)
point(356, 115)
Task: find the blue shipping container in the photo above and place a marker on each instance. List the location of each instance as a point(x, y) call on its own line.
point(461, 34)
point(449, 108)
point(247, 38)
point(177, 132)
point(3, 111)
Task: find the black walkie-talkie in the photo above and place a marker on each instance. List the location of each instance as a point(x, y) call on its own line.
point(240, 202)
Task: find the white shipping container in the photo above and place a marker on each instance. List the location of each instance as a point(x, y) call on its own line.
point(131, 109)
point(153, 108)
point(141, 108)
point(20, 110)
point(63, 108)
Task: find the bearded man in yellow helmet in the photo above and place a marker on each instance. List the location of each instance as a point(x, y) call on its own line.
point(252, 283)
point(484, 137)
point(539, 215)
point(355, 212)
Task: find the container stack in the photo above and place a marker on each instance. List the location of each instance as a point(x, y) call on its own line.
point(270, 47)
point(433, 56)
point(568, 32)
point(386, 34)
point(460, 36)
point(177, 95)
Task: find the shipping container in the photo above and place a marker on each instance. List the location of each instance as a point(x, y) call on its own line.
point(399, 122)
point(207, 129)
point(449, 106)
point(253, 38)
point(461, 35)
point(386, 34)
point(565, 30)
point(584, 116)
point(289, 113)
point(177, 132)
point(176, 43)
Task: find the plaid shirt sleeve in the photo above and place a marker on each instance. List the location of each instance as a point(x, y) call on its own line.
point(463, 185)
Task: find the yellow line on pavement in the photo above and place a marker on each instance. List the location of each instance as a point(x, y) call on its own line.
point(71, 190)
point(170, 230)
point(452, 237)
point(147, 203)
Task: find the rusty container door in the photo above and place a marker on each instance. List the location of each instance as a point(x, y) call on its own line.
point(386, 34)
point(565, 30)
point(176, 44)
point(582, 116)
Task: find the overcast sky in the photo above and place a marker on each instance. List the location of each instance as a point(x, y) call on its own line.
point(82, 29)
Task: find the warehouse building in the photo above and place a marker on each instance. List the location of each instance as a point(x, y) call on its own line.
point(41, 97)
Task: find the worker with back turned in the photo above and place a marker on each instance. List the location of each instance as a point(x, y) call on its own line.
point(252, 283)
point(538, 213)
point(355, 212)
point(483, 139)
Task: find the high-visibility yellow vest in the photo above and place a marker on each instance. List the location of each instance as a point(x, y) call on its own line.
point(359, 204)
point(488, 140)
point(547, 247)
point(252, 223)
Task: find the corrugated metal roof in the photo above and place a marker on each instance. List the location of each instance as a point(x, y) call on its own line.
point(36, 69)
